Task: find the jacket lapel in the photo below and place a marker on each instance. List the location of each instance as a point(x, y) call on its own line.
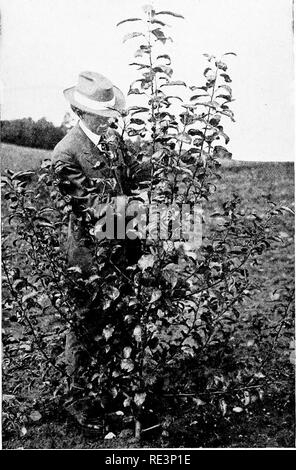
point(91, 155)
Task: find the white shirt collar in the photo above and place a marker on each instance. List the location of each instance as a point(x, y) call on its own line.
point(95, 138)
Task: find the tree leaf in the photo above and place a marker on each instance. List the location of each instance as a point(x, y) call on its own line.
point(221, 65)
point(31, 295)
point(146, 261)
point(287, 209)
point(198, 402)
point(22, 175)
point(108, 332)
point(163, 69)
point(221, 152)
point(209, 56)
point(127, 20)
point(177, 98)
point(158, 33)
point(140, 66)
point(137, 333)
point(227, 98)
point(259, 375)
point(157, 155)
point(42, 223)
point(165, 56)
point(113, 292)
point(23, 431)
point(8, 397)
point(227, 88)
point(18, 284)
point(154, 21)
point(93, 278)
point(138, 53)
point(228, 113)
point(237, 409)
point(131, 35)
point(127, 402)
point(207, 70)
point(137, 109)
point(5, 180)
point(226, 77)
point(135, 91)
point(139, 398)
point(127, 364)
point(138, 122)
point(177, 15)
point(212, 104)
point(225, 136)
point(184, 137)
point(214, 121)
point(127, 352)
point(223, 406)
point(173, 83)
point(156, 294)
point(133, 132)
point(35, 416)
point(193, 88)
point(75, 269)
point(198, 141)
point(170, 273)
point(195, 97)
point(196, 132)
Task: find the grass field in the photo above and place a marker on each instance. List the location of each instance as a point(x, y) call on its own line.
point(21, 158)
point(271, 425)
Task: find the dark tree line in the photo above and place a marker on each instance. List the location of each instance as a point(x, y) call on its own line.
point(29, 133)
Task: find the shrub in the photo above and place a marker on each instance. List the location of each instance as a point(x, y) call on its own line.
point(170, 323)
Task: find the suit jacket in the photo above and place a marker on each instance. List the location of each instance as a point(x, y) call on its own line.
point(81, 169)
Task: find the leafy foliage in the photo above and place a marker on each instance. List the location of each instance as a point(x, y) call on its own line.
point(167, 323)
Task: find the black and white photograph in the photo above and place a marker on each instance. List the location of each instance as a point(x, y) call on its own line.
point(147, 235)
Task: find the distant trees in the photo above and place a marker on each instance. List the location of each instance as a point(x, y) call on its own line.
point(43, 134)
point(26, 132)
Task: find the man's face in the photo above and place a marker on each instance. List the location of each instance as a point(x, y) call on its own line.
point(96, 124)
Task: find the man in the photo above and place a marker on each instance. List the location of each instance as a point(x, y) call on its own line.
point(81, 162)
point(80, 156)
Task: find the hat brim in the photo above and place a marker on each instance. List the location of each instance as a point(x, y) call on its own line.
point(113, 111)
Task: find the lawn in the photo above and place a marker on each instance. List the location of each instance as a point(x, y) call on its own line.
point(21, 158)
point(269, 423)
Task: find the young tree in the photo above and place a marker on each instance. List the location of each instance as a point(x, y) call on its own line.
point(167, 322)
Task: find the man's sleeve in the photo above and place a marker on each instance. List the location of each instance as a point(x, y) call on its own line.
point(71, 180)
point(138, 172)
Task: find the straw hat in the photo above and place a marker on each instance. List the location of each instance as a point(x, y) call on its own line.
point(95, 94)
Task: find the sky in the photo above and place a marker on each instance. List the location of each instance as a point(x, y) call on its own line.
point(46, 43)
